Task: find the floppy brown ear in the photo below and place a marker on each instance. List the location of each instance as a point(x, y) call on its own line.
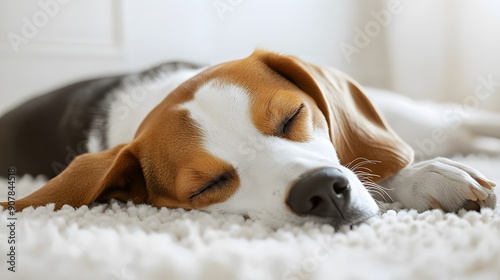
point(357, 130)
point(114, 173)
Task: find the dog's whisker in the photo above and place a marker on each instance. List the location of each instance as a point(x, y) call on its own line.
point(380, 194)
point(359, 164)
point(381, 206)
point(361, 168)
point(379, 186)
point(363, 161)
point(365, 174)
point(361, 172)
point(376, 192)
point(371, 186)
point(348, 165)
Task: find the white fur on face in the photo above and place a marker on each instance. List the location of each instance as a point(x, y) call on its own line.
point(267, 165)
point(131, 103)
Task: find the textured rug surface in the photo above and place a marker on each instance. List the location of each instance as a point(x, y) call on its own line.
point(124, 241)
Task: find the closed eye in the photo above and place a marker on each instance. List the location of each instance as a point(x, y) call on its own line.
point(219, 182)
point(286, 126)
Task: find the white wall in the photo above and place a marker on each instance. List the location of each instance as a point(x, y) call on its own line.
point(87, 38)
point(430, 49)
point(442, 49)
point(70, 41)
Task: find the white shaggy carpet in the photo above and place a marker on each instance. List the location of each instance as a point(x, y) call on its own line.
point(123, 241)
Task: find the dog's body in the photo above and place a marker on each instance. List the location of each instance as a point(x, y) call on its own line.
point(269, 137)
point(79, 118)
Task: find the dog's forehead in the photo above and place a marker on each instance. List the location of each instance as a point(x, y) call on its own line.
point(259, 81)
point(242, 71)
point(221, 111)
point(228, 98)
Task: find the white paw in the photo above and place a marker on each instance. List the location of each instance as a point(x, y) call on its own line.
point(446, 184)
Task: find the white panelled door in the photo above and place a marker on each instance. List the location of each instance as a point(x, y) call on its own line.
point(48, 42)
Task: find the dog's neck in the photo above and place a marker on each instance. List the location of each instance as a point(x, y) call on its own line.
point(129, 104)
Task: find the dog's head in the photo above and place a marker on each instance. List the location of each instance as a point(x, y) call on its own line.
point(268, 137)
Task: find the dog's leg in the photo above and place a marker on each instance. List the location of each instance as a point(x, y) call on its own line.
point(438, 129)
point(440, 183)
point(484, 123)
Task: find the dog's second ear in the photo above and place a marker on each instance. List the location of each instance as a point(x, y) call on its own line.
point(357, 130)
point(114, 173)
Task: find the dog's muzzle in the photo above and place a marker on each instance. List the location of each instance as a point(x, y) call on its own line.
point(324, 192)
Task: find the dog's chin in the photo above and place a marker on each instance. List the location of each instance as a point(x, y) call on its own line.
point(362, 220)
point(352, 221)
point(279, 221)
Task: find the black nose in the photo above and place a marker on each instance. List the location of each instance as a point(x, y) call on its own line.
point(324, 193)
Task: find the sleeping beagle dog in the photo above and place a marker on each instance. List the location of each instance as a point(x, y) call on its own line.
point(270, 137)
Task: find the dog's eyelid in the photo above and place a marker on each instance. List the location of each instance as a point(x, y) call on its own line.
point(219, 181)
point(284, 126)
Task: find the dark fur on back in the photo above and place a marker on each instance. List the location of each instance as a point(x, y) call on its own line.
point(43, 135)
